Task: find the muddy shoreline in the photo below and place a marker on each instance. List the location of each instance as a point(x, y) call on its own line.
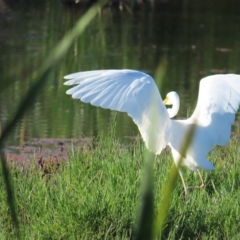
point(48, 153)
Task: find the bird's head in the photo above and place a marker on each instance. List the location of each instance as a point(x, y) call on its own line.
point(173, 99)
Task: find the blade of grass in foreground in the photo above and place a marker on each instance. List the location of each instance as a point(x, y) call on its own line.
point(51, 62)
point(145, 220)
point(170, 184)
point(145, 217)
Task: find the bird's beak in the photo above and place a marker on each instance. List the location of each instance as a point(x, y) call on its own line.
point(165, 101)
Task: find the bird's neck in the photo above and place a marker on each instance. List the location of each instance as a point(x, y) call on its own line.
point(174, 110)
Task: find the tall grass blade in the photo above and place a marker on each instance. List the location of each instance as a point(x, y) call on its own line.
point(10, 193)
point(166, 193)
point(145, 220)
point(51, 62)
point(144, 228)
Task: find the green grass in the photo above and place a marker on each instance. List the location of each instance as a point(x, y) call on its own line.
point(96, 195)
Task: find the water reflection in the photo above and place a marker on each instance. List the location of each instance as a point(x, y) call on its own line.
point(191, 44)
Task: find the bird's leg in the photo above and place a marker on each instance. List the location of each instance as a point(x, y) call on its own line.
point(190, 187)
point(184, 184)
point(202, 185)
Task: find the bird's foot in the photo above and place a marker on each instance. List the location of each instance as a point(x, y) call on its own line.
point(193, 187)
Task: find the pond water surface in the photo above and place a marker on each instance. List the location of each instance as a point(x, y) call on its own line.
point(174, 36)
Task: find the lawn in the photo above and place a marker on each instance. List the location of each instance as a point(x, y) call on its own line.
point(97, 194)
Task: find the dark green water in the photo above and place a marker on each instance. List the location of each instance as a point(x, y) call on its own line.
point(187, 40)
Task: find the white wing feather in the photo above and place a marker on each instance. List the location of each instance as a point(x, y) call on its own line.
point(128, 91)
point(218, 102)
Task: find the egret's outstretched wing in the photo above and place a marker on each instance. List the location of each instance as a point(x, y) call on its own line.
point(128, 91)
point(218, 102)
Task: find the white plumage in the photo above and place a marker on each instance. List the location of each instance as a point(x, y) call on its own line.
point(136, 94)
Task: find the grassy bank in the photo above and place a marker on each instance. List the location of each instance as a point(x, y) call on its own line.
point(96, 196)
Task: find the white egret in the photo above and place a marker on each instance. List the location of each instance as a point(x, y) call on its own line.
point(136, 93)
